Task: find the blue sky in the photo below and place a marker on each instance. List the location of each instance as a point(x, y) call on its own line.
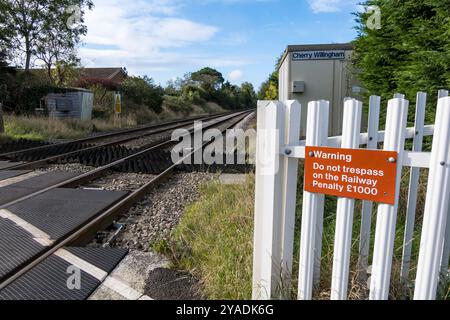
point(241, 38)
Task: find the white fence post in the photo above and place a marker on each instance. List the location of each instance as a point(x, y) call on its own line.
point(319, 225)
point(267, 237)
point(367, 206)
point(421, 103)
point(345, 207)
point(313, 204)
point(387, 214)
point(436, 208)
point(258, 219)
point(446, 252)
point(289, 195)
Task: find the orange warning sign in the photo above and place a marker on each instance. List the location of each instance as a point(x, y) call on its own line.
point(352, 173)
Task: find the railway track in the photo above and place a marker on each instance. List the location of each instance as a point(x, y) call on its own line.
point(23, 146)
point(91, 154)
point(54, 221)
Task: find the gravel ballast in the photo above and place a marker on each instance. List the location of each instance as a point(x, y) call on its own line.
point(117, 181)
point(159, 213)
point(70, 167)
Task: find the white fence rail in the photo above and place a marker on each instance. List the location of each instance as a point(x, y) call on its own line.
point(278, 154)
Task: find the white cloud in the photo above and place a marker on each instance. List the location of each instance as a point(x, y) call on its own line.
point(140, 27)
point(235, 75)
point(319, 6)
point(145, 35)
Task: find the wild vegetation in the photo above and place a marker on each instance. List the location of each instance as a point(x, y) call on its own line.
point(269, 88)
point(409, 53)
point(215, 239)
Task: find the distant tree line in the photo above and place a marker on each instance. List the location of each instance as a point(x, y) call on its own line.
point(209, 85)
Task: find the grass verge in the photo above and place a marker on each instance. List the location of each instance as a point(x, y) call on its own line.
point(215, 238)
point(43, 128)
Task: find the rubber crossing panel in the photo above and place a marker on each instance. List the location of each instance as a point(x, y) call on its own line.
point(7, 164)
point(29, 186)
point(16, 247)
point(60, 211)
point(49, 280)
point(12, 174)
point(54, 214)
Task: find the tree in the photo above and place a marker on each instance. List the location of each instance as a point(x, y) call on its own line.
point(42, 28)
point(64, 73)
point(142, 91)
point(269, 88)
point(208, 78)
point(247, 95)
point(5, 35)
point(411, 51)
point(229, 96)
point(57, 52)
point(3, 62)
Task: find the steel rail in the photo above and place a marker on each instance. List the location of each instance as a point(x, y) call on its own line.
point(113, 211)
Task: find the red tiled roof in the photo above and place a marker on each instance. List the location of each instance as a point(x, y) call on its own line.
point(115, 74)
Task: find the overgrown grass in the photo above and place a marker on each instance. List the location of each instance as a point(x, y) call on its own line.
point(215, 238)
point(4, 138)
point(43, 128)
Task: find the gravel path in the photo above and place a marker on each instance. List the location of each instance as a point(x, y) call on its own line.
point(159, 213)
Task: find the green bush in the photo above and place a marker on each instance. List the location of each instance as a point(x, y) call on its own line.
point(410, 53)
point(142, 92)
point(22, 92)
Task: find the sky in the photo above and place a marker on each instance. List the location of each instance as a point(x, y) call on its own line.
point(165, 39)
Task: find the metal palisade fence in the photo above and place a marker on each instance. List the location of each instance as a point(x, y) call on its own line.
point(277, 157)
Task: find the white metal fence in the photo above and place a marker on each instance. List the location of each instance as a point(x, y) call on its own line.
point(277, 158)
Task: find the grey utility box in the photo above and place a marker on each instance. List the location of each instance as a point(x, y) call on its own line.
point(74, 104)
point(319, 72)
point(298, 86)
